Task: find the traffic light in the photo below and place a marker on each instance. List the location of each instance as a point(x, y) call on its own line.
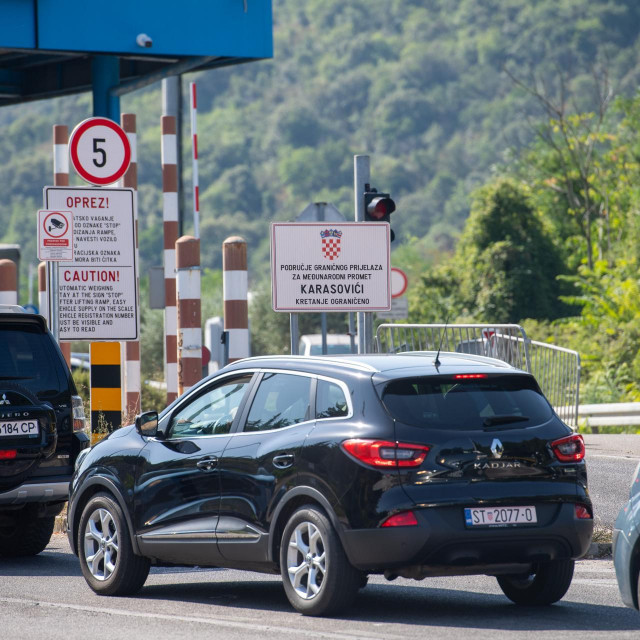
point(378, 207)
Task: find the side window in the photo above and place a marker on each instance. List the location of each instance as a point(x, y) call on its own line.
point(330, 400)
point(282, 399)
point(212, 412)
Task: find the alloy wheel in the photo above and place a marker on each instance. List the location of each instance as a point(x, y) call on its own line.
point(101, 544)
point(306, 560)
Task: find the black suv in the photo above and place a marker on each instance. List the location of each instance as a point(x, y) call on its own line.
point(41, 432)
point(326, 469)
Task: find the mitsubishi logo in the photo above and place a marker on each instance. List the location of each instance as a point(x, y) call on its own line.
point(496, 448)
point(4, 399)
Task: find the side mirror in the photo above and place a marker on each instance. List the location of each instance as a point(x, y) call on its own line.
point(147, 424)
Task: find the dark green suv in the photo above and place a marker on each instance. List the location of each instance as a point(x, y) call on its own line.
point(42, 431)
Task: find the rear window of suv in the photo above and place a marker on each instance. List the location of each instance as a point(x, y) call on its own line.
point(27, 359)
point(492, 402)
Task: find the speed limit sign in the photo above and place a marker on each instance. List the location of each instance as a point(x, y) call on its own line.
point(100, 151)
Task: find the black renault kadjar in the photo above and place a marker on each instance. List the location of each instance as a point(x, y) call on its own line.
point(327, 469)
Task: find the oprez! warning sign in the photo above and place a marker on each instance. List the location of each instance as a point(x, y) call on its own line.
point(97, 297)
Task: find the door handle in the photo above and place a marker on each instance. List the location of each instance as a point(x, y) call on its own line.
point(207, 464)
point(283, 461)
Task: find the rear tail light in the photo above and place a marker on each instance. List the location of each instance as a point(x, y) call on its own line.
point(569, 449)
point(402, 519)
point(78, 413)
point(583, 512)
point(8, 454)
point(381, 453)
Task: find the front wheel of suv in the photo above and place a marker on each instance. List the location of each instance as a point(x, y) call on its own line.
point(545, 584)
point(316, 573)
point(107, 560)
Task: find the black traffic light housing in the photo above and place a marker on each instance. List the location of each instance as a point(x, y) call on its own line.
point(378, 207)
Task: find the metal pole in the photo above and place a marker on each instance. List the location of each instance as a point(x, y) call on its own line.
point(361, 176)
point(293, 329)
point(105, 75)
point(352, 331)
point(323, 320)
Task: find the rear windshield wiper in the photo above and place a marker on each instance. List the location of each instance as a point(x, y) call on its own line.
point(492, 421)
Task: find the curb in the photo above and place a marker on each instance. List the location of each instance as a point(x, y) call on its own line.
point(60, 525)
point(598, 550)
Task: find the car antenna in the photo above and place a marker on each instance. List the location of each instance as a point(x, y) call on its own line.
point(437, 362)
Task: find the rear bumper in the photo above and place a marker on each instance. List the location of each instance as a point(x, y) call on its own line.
point(442, 545)
point(36, 492)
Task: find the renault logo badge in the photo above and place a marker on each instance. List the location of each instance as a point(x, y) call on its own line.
point(496, 448)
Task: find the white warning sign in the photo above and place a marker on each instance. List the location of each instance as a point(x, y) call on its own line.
point(97, 295)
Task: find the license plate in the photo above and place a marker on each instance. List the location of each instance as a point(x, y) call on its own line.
point(499, 516)
point(18, 428)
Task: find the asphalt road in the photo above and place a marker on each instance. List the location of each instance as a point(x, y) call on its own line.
point(611, 462)
point(46, 597)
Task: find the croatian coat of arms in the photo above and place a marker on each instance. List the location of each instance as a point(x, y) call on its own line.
point(330, 243)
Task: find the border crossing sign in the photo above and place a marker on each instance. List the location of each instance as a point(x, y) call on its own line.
point(330, 266)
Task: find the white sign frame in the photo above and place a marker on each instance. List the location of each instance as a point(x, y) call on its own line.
point(330, 266)
point(55, 243)
point(97, 291)
point(100, 151)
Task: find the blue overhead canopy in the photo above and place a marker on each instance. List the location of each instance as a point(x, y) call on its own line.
point(47, 46)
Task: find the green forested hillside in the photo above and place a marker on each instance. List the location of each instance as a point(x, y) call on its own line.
point(428, 88)
point(418, 84)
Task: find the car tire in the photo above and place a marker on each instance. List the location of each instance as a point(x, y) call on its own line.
point(317, 576)
point(107, 560)
point(28, 535)
point(546, 583)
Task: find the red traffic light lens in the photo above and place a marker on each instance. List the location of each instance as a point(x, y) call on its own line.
point(380, 208)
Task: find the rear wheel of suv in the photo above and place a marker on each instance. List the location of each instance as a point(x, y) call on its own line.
point(546, 583)
point(106, 556)
point(316, 573)
point(24, 534)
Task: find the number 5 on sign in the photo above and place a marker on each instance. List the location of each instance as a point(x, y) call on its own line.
point(100, 151)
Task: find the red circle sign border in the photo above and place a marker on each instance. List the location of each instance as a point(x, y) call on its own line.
point(53, 213)
point(73, 150)
point(406, 282)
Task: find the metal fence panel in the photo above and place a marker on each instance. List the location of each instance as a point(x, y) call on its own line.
point(556, 369)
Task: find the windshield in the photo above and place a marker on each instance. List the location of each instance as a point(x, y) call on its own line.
point(448, 402)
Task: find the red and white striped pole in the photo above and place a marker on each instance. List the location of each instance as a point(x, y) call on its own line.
point(234, 294)
point(132, 381)
point(60, 179)
point(170, 223)
point(8, 282)
point(194, 145)
point(43, 304)
point(189, 317)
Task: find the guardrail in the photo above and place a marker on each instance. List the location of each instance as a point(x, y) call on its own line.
point(616, 414)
